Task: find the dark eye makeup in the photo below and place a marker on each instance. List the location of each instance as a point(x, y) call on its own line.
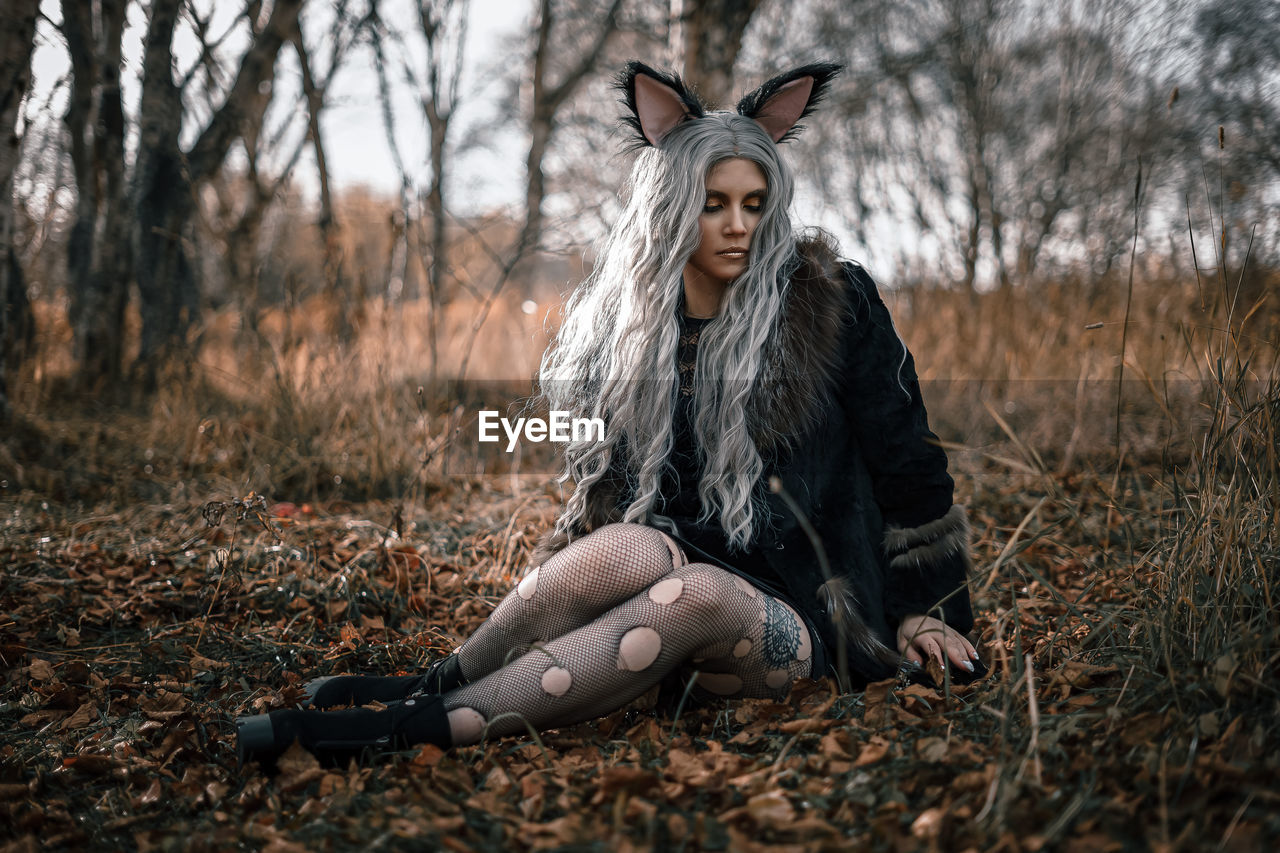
point(756, 205)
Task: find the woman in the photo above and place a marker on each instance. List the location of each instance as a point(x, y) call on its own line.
point(768, 502)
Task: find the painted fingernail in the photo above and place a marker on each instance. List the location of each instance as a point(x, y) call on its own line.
point(968, 666)
point(973, 655)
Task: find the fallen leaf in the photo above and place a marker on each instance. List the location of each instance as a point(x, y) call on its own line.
point(40, 718)
point(428, 755)
point(151, 795)
point(83, 716)
point(91, 764)
point(498, 781)
point(807, 724)
point(633, 780)
point(875, 697)
point(298, 768)
point(928, 826)
point(200, 663)
point(931, 749)
point(874, 750)
point(771, 809)
point(836, 745)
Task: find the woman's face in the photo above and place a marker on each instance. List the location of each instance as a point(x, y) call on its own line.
point(736, 191)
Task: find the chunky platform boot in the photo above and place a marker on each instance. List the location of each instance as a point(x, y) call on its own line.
point(440, 677)
point(335, 737)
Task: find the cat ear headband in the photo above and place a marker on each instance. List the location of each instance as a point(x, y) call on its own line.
point(657, 102)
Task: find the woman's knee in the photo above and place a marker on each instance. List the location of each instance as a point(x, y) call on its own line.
point(624, 533)
point(626, 546)
point(707, 593)
point(691, 600)
point(764, 644)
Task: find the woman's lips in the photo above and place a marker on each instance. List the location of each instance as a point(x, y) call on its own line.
point(733, 253)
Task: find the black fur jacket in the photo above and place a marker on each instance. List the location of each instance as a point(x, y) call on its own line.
point(849, 453)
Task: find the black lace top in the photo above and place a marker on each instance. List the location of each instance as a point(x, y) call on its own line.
point(680, 487)
point(680, 484)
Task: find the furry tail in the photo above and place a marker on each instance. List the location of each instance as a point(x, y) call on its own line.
point(842, 606)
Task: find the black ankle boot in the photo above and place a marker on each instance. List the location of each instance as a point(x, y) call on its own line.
point(441, 677)
point(335, 737)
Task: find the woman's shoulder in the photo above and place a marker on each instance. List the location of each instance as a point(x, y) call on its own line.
point(828, 282)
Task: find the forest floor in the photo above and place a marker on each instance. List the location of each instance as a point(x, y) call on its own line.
point(130, 639)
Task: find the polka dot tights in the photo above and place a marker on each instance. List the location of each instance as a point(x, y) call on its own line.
point(608, 617)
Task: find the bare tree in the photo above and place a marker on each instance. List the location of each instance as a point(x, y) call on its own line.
point(1236, 86)
point(165, 174)
point(315, 87)
point(1240, 69)
point(553, 83)
point(711, 36)
point(569, 41)
point(244, 200)
point(397, 278)
point(99, 262)
point(17, 34)
point(436, 84)
point(975, 135)
point(444, 29)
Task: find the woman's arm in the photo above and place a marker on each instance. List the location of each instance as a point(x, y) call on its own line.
point(926, 537)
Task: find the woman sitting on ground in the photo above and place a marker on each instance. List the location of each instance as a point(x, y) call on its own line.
point(768, 502)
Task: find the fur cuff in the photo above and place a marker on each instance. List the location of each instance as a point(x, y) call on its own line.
point(842, 607)
point(930, 544)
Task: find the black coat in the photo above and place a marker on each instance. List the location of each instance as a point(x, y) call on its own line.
point(871, 480)
point(849, 452)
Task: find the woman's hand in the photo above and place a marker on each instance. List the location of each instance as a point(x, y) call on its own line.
point(923, 635)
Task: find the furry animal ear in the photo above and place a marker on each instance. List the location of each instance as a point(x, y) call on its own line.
point(657, 102)
point(782, 101)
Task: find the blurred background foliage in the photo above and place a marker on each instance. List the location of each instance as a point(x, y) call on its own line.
point(1056, 193)
point(1074, 207)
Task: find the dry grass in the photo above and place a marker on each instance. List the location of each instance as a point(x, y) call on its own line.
point(1126, 544)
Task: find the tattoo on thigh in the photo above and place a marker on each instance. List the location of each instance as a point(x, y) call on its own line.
point(781, 639)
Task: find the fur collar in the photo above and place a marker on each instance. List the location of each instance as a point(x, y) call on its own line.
point(800, 369)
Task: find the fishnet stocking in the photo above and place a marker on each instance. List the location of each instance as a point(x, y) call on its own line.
point(603, 652)
point(577, 584)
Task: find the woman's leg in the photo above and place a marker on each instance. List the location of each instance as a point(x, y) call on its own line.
point(573, 587)
point(742, 641)
point(750, 643)
point(587, 578)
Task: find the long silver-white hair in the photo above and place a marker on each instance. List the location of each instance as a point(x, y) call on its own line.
point(615, 355)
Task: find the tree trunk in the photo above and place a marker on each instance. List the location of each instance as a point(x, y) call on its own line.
point(334, 262)
point(712, 38)
point(17, 34)
point(443, 24)
point(547, 101)
point(165, 177)
point(540, 126)
point(77, 28)
point(99, 260)
point(115, 257)
point(162, 197)
point(439, 247)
